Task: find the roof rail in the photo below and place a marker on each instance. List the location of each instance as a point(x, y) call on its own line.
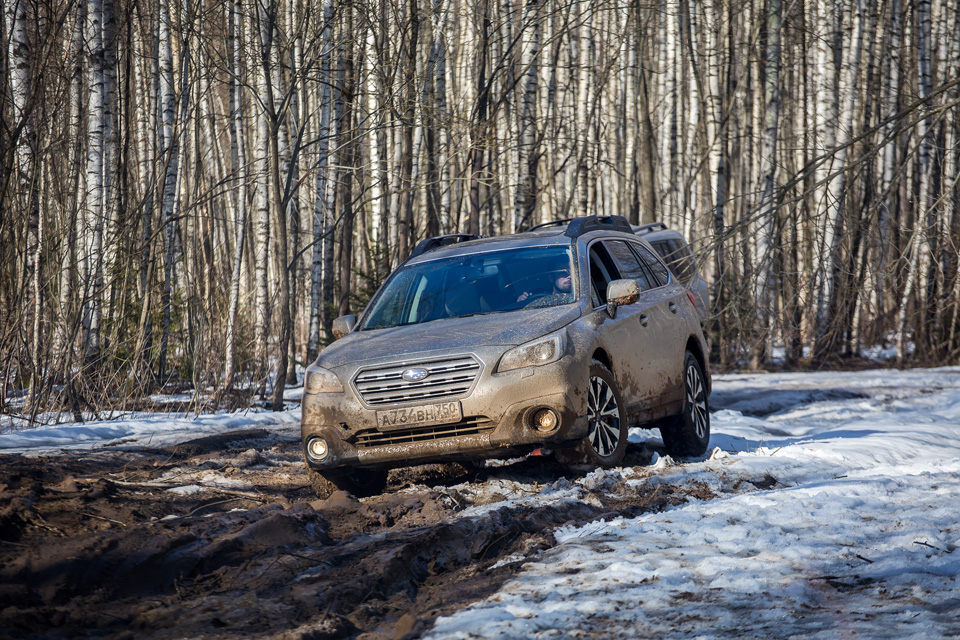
point(436, 242)
point(580, 226)
point(649, 228)
point(554, 223)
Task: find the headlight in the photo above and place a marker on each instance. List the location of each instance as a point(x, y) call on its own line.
point(320, 380)
point(536, 353)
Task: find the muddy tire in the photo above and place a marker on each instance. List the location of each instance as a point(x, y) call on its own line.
point(606, 441)
point(362, 483)
point(688, 434)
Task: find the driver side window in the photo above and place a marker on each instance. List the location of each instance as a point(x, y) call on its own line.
point(602, 272)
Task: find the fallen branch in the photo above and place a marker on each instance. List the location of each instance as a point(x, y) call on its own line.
point(927, 545)
point(173, 485)
point(93, 515)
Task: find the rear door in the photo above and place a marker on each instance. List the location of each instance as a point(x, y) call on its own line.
point(669, 309)
point(632, 340)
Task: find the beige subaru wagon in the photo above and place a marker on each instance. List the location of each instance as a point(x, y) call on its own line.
point(558, 338)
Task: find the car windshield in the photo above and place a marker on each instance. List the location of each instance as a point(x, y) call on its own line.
point(471, 284)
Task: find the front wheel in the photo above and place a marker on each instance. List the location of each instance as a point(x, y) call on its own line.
point(362, 483)
point(688, 434)
point(606, 439)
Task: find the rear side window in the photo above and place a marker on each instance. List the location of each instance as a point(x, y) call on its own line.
point(602, 272)
point(629, 263)
point(653, 262)
point(678, 257)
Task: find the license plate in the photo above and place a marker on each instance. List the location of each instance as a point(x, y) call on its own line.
point(407, 417)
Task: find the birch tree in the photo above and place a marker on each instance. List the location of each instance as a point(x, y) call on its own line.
point(767, 222)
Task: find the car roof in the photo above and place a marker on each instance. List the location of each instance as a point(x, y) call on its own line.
point(494, 243)
point(554, 235)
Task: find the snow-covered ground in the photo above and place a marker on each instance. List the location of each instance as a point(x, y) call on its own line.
point(836, 516)
point(858, 538)
point(142, 430)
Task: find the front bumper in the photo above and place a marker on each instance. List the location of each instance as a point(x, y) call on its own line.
point(497, 418)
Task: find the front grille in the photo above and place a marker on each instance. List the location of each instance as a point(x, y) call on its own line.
point(474, 425)
point(448, 377)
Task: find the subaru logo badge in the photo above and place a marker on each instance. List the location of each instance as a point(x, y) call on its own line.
point(414, 375)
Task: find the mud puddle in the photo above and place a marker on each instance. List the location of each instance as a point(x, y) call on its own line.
point(221, 538)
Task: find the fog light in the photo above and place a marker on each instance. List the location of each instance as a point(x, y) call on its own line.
point(545, 420)
point(317, 448)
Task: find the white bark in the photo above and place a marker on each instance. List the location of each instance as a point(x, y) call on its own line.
point(919, 249)
point(767, 217)
point(322, 214)
point(828, 115)
point(170, 156)
point(443, 121)
point(240, 192)
point(262, 37)
point(27, 192)
point(889, 108)
point(529, 66)
point(584, 48)
point(94, 213)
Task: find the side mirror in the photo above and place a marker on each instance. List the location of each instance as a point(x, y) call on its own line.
point(344, 325)
point(621, 292)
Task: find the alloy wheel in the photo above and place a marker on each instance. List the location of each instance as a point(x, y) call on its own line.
point(697, 400)
point(603, 415)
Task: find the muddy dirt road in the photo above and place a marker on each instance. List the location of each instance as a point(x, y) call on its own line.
point(222, 538)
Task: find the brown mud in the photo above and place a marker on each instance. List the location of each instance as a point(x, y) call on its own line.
point(111, 545)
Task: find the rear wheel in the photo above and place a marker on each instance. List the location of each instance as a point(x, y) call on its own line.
point(362, 483)
point(606, 439)
point(688, 434)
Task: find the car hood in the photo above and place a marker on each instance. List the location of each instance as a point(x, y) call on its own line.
point(448, 335)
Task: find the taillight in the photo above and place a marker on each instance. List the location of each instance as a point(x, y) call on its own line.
point(692, 299)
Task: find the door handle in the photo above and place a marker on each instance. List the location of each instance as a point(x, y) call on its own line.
point(673, 307)
point(643, 320)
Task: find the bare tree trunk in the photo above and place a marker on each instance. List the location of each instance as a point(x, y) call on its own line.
point(262, 199)
point(338, 135)
point(919, 249)
point(406, 187)
point(240, 171)
point(828, 115)
point(347, 84)
point(767, 216)
point(322, 234)
point(95, 197)
point(889, 107)
point(442, 117)
point(376, 142)
point(526, 200)
point(585, 63)
point(649, 202)
point(63, 343)
point(295, 127)
point(479, 124)
point(28, 176)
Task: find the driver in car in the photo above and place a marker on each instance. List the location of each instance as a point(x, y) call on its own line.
point(562, 292)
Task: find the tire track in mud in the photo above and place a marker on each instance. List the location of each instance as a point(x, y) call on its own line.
point(381, 568)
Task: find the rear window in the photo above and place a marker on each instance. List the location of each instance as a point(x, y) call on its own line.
point(654, 263)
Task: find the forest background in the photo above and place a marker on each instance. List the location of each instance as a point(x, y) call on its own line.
point(191, 191)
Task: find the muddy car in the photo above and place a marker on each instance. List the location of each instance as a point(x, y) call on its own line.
point(557, 338)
